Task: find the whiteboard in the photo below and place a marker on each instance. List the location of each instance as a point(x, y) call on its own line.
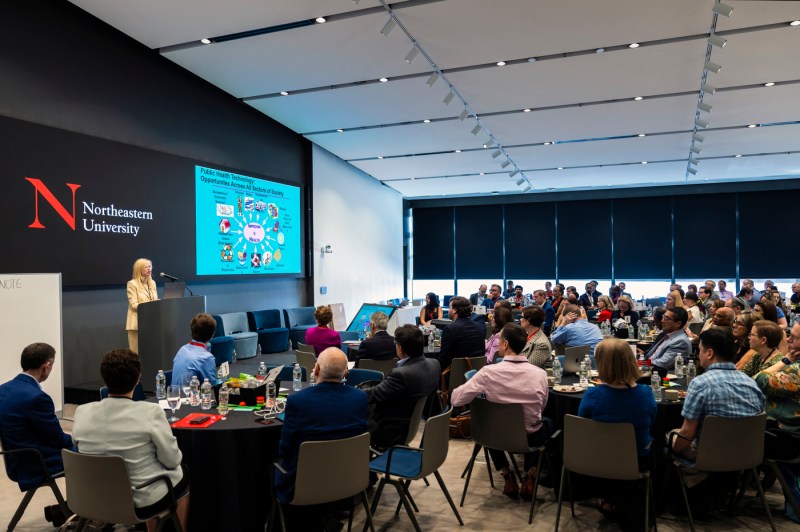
point(30, 311)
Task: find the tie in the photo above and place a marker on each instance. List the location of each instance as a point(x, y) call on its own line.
point(659, 341)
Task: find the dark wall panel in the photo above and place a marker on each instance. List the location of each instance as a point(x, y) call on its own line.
point(584, 240)
point(530, 241)
point(767, 244)
point(642, 238)
point(705, 236)
point(433, 243)
point(479, 244)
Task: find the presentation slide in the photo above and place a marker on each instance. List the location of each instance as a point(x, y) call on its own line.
point(360, 323)
point(246, 225)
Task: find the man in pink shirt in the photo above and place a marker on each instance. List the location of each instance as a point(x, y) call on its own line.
point(514, 380)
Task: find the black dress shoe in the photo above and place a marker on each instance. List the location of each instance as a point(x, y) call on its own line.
point(54, 514)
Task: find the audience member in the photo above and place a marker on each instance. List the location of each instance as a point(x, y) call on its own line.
point(572, 292)
point(558, 298)
point(576, 331)
point(380, 344)
point(723, 293)
point(767, 308)
point(620, 400)
point(696, 312)
point(663, 352)
point(512, 381)
point(794, 299)
point(765, 339)
point(571, 300)
point(605, 308)
point(705, 298)
point(622, 287)
point(677, 288)
point(718, 319)
point(509, 291)
point(28, 420)
point(675, 299)
point(625, 312)
point(328, 411)
point(755, 295)
point(614, 293)
point(589, 298)
point(691, 289)
point(738, 304)
point(463, 337)
point(500, 317)
point(392, 401)
point(431, 311)
point(719, 391)
point(518, 299)
point(494, 297)
point(779, 383)
point(321, 337)
point(138, 432)
point(537, 348)
point(741, 327)
point(477, 298)
point(658, 316)
point(711, 285)
point(548, 290)
point(193, 359)
point(775, 297)
point(540, 299)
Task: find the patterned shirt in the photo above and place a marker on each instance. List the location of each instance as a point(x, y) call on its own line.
point(782, 389)
point(722, 391)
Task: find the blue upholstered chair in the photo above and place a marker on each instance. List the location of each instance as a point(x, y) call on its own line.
point(299, 320)
point(138, 392)
point(356, 376)
point(348, 336)
point(272, 336)
point(234, 324)
point(222, 349)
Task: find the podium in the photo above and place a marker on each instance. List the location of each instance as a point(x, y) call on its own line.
point(164, 326)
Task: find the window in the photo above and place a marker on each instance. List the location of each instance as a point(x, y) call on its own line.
point(646, 288)
point(467, 287)
point(440, 287)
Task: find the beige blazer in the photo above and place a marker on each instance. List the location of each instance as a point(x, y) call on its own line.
point(138, 293)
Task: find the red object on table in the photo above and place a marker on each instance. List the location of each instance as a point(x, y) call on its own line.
point(185, 423)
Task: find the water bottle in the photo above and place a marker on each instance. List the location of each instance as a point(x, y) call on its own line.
point(297, 377)
point(556, 371)
point(194, 391)
point(233, 357)
point(584, 382)
point(312, 380)
point(588, 361)
point(258, 349)
point(220, 376)
point(431, 339)
point(262, 371)
point(224, 395)
point(679, 366)
point(205, 395)
point(691, 372)
point(655, 384)
point(161, 385)
point(271, 394)
point(630, 330)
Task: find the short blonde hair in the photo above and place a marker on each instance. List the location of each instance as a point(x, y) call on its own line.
point(616, 363)
point(607, 302)
point(626, 299)
point(677, 299)
point(323, 314)
point(138, 268)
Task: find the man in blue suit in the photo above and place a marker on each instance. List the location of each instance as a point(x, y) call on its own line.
point(675, 342)
point(28, 420)
point(540, 298)
point(328, 411)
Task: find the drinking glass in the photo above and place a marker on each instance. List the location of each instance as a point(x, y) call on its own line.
point(186, 384)
point(173, 400)
point(223, 410)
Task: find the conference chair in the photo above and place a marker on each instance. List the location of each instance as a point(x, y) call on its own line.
point(138, 392)
point(458, 367)
point(727, 445)
point(358, 375)
point(167, 376)
point(234, 324)
point(286, 375)
point(272, 336)
point(471, 373)
point(222, 348)
point(774, 465)
point(34, 458)
point(99, 489)
point(320, 480)
point(384, 366)
point(501, 426)
point(602, 450)
point(299, 320)
point(306, 360)
point(401, 464)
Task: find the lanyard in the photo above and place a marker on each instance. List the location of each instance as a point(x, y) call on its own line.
point(198, 344)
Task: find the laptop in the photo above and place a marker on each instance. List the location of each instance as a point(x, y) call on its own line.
point(573, 359)
point(174, 290)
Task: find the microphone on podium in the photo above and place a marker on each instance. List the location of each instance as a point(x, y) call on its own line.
point(167, 276)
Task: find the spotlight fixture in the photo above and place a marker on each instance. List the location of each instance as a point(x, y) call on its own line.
point(526, 190)
point(476, 129)
point(426, 121)
point(639, 98)
point(388, 27)
point(496, 154)
point(526, 110)
point(501, 63)
point(515, 172)
point(340, 130)
point(769, 84)
point(433, 79)
point(722, 9)
point(320, 20)
point(738, 155)
point(644, 162)
point(448, 98)
point(692, 171)
point(284, 93)
point(600, 50)
point(380, 156)
point(699, 122)
point(560, 168)
point(697, 137)
point(717, 41)
point(693, 161)
point(751, 126)
point(205, 41)
point(520, 181)
point(633, 45)
point(531, 60)
point(641, 135)
point(411, 55)
point(505, 163)
point(695, 149)
point(463, 114)
point(712, 67)
point(489, 142)
point(703, 106)
point(547, 143)
point(794, 23)
point(383, 80)
point(458, 151)
point(482, 173)
point(705, 87)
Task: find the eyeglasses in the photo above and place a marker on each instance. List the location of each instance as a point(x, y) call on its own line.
point(737, 323)
point(667, 318)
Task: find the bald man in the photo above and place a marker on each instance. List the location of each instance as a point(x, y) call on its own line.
point(328, 411)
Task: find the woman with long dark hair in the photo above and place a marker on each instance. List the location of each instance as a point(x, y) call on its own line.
point(431, 311)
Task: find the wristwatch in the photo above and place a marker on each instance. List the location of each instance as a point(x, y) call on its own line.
point(786, 361)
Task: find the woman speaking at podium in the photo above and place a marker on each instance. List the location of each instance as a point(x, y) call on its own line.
point(141, 289)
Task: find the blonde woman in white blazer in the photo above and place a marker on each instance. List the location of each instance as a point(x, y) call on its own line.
point(141, 289)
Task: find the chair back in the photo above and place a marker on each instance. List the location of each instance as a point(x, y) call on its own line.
point(471, 373)
point(416, 416)
point(358, 375)
point(306, 359)
point(264, 319)
point(499, 426)
point(348, 336)
point(384, 366)
point(696, 327)
point(731, 444)
point(220, 329)
point(286, 373)
point(233, 322)
point(320, 479)
point(138, 392)
point(168, 376)
point(299, 316)
point(604, 450)
point(435, 442)
point(458, 367)
point(98, 488)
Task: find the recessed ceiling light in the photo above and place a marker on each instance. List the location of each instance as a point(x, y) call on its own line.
point(481, 173)
point(633, 45)
point(426, 121)
point(501, 63)
point(531, 60)
point(752, 126)
point(284, 93)
point(458, 151)
point(600, 50)
point(769, 84)
point(560, 168)
point(644, 162)
point(547, 143)
point(340, 130)
point(380, 156)
point(320, 20)
point(526, 110)
point(383, 80)
point(639, 98)
point(737, 156)
point(642, 135)
point(794, 23)
point(205, 41)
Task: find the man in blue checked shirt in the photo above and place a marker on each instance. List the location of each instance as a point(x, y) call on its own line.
point(720, 391)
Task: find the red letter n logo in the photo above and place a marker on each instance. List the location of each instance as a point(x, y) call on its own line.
point(40, 188)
